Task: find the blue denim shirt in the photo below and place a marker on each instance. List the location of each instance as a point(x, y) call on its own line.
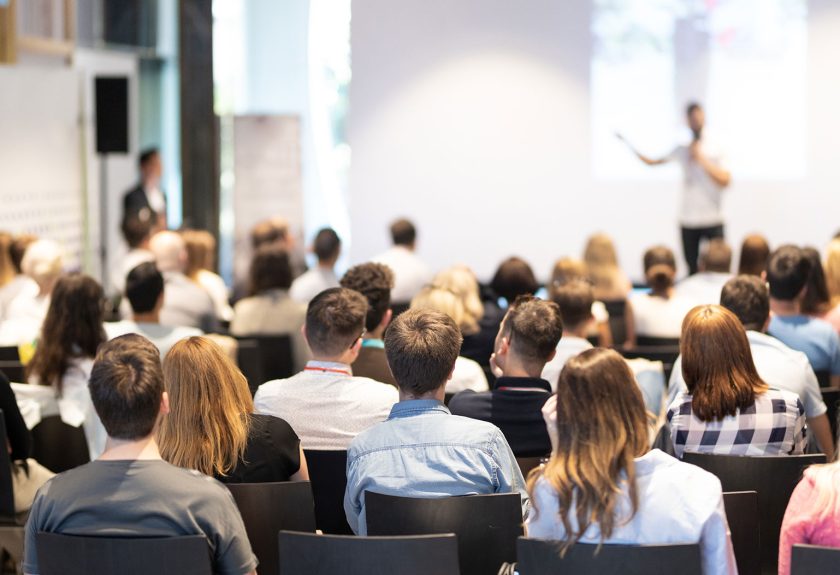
point(422, 450)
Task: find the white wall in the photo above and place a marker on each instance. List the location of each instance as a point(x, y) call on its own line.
point(472, 118)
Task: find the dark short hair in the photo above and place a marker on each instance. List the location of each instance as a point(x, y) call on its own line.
point(533, 328)
point(374, 281)
point(746, 296)
point(574, 300)
point(755, 251)
point(817, 300)
point(270, 269)
point(403, 232)
point(513, 278)
point(787, 272)
point(18, 248)
point(327, 244)
point(136, 229)
point(691, 107)
point(143, 286)
point(421, 346)
point(335, 319)
point(717, 257)
point(660, 267)
point(126, 386)
point(147, 156)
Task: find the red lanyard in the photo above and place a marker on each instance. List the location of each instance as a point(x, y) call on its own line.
point(327, 370)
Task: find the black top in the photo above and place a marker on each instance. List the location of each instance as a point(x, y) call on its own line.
point(16, 430)
point(514, 406)
point(272, 454)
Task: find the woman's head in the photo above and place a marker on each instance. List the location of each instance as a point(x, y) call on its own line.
point(209, 408)
point(513, 278)
point(660, 268)
point(832, 271)
point(43, 261)
point(755, 251)
point(270, 269)
point(461, 281)
point(717, 363)
point(601, 429)
point(201, 251)
point(816, 299)
point(601, 261)
point(73, 327)
point(444, 301)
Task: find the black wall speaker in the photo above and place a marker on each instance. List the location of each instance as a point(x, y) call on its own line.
point(111, 114)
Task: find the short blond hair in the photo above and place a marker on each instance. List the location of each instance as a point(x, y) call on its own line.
point(461, 281)
point(444, 301)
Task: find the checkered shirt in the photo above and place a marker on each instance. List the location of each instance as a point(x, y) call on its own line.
point(773, 425)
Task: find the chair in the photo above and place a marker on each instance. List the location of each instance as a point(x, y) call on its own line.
point(814, 560)
point(76, 555)
point(272, 359)
point(328, 474)
point(307, 554)
point(14, 370)
point(58, 446)
point(742, 516)
point(486, 525)
point(11, 524)
point(249, 362)
point(647, 341)
point(823, 378)
point(526, 464)
point(539, 557)
point(831, 397)
point(617, 309)
point(9, 353)
point(773, 478)
point(667, 354)
point(267, 509)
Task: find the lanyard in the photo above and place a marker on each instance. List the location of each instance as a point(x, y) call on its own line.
point(327, 370)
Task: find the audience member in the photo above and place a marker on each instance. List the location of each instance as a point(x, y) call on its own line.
point(513, 278)
point(527, 339)
point(468, 374)
point(43, 262)
point(410, 273)
point(567, 270)
point(326, 404)
point(374, 281)
point(729, 409)
point(144, 289)
point(601, 259)
point(816, 301)
point(714, 268)
point(327, 248)
point(129, 490)
point(574, 301)
point(20, 283)
point(470, 456)
point(603, 485)
point(186, 303)
point(755, 251)
point(779, 366)
point(832, 278)
point(201, 261)
point(211, 426)
point(137, 233)
point(269, 310)
point(788, 273)
point(659, 314)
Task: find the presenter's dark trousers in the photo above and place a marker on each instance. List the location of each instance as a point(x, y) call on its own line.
point(691, 238)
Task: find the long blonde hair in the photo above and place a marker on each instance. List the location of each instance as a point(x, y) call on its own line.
point(602, 263)
point(461, 281)
point(210, 408)
point(445, 301)
point(601, 429)
point(832, 271)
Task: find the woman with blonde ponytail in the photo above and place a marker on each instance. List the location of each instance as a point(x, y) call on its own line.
point(602, 483)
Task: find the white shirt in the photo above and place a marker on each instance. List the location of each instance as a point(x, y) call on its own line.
point(701, 197)
point(468, 374)
point(157, 201)
point(163, 336)
point(568, 347)
point(703, 287)
point(214, 285)
point(311, 283)
point(19, 285)
point(678, 503)
point(131, 260)
point(778, 365)
point(326, 405)
point(659, 317)
point(410, 273)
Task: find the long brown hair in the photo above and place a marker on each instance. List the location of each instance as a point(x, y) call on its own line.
point(73, 328)
point(717, 363)
point(7, 268)
point(210, 408)
point(601, 429)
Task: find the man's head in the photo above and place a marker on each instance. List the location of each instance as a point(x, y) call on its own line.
point(403, 233)
point(327, 246)
point(574, 300)
point(528, 335)
point(696, 119)
point(169, 250)
point(126, 387)
point(271, 231)
point(335, 323)
point(375, 282)
point(787, 273)
point(421, 346)
point(136, 230)
point(144, 288)
point(513, 278)
point(151, 167)
point(747, 297)
point(717, 257)
point(270, 269)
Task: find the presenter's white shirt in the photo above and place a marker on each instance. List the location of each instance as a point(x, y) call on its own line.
point(700, 206)
point(410, 273)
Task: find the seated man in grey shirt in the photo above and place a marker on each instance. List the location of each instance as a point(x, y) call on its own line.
point(130, 491)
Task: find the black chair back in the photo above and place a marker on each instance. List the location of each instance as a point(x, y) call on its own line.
point(272, 359)
point(742, 516)
point(76, 555)
point(667, 354)
point(648, 341)
point(486, 525)
point(14, 370)
point(307, 554)
point(814, 560)
point(249, 361)
point(7, 495)
point(538, 557)
point(773, 478)
point(328, 474)
point(831, 397)
point(618, 321)
point(9, 353)
point(526, 464)
point(267, 509)
point(58, 446)
point(823, 378)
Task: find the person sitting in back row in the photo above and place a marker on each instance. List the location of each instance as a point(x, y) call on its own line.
point(714, 264)
point(659, 313)
point(410, 273)
point(327, 248)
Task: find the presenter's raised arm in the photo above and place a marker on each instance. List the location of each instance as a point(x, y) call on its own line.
point(646, 159)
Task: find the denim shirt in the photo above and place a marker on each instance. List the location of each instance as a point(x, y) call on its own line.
point(422, 450)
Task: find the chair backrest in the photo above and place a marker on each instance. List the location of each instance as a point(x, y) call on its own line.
point(831, 397)
point(773, 478)
point(538, 557)
point(486, 525)
point(617, 310)
point(7, 496)
point(823, 378)
point(14, 370)
point(648, 341)
point(267, 509)
point(77, 555)
point(526, 464)
point(59, 446)
point(9, 353)
point(308, 554)
point(667, 354)
point(272, 358)
point(814, 560)
point(328, 474)
point(742, 516)
point(249, 362)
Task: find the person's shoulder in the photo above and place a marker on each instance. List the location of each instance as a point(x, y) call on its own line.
point(274, 387)
point(468, 402)
point(475, 430)
point(683, 477)
point(375, 388)
point(774, 394)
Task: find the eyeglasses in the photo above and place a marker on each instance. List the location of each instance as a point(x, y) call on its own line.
point(361, 335)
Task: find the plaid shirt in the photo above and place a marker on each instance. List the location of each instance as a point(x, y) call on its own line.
point(773, 425)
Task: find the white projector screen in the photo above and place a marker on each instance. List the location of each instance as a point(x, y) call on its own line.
point(491, 123)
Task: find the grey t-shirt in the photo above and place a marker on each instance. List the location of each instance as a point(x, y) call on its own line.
point(148, 498)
